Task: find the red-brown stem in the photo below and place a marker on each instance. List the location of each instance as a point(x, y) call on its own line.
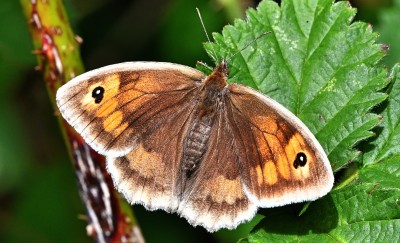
point(109, 217)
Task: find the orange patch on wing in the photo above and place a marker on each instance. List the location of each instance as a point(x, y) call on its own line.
point(130, 95)
point(110, 84)
point(292, 148)
point(120, 129)
point(259, 173)
point(300, 139)
point(107, 108)
point(113, 121)
point(298, 145)
point(225, 190)
point(148, 164)
point(136, 104)
point(265, 123)
point(270, 173)
point(279, 155)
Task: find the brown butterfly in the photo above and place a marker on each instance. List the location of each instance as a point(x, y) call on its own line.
point(178, 140)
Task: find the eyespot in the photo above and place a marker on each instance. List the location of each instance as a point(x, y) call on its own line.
point(301, 160)
point(98, 94)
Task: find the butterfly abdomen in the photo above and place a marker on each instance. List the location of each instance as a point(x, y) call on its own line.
point(209, 100)
point(196, 143)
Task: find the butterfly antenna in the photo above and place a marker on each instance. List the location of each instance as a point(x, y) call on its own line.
point(205, 31)
point(249, 44)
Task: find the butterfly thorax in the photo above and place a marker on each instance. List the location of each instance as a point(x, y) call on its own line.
point(209, 101)
point(211, 91)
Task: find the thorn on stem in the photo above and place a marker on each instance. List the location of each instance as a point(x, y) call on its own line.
point(78, 39)
point(37, 52)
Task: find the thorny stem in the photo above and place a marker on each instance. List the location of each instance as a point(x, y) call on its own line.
point(110, 219)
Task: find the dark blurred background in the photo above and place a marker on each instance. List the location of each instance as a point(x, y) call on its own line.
point(39, 201)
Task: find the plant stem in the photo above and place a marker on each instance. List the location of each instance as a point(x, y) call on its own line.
point(110, 219)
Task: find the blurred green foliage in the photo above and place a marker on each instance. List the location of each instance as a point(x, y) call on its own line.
point(38, 195)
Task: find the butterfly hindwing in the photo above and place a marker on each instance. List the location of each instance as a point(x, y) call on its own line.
point(214, 197)
point(147, 175)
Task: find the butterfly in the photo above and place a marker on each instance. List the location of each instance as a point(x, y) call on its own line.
point(178, 140)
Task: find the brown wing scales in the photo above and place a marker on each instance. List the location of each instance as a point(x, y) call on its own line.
point(148, 174)
point(214, 197)
point(282, 161)
point(132, 102)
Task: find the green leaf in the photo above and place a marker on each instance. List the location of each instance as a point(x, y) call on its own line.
point(359, 213)
point(382, 162)
point(315, 63)
point(389, 20)
point(326, 70)
point(385, 174)
point(388, 142)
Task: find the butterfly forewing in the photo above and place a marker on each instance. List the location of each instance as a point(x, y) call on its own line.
point(112, 106)
point(280, 158)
